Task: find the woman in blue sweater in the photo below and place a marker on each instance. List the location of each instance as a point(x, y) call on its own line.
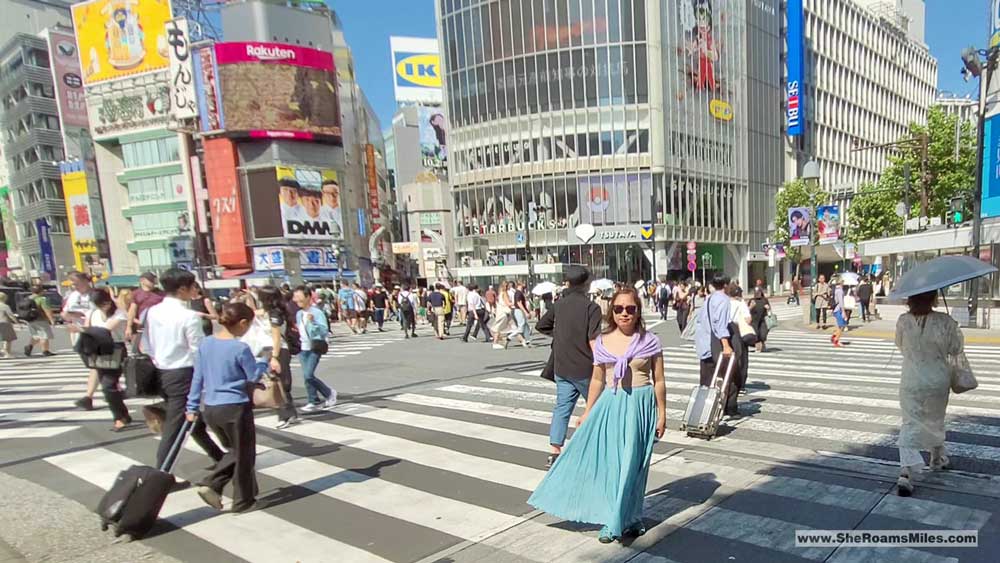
point(225, 370)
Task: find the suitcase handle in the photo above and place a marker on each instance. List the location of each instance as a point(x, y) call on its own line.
point(729, 371)
point(171, 460)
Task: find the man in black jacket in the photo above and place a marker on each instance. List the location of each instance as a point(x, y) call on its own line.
point(574, 321)
point(865, 292)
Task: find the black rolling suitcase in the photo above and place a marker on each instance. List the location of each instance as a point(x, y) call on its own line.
point(132, 504)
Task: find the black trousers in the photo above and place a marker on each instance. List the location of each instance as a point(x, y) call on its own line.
point(288, 410)
point(447, 321)
point(409, 323)
point(682, 317)
point(175, 385)
point(233, 425)
point(480, 323)
point(736, 381)
point(112, 394)
point(865, 315)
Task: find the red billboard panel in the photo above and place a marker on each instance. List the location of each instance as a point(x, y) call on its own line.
point(372, 180)
point(276, 90)
point(224, 203)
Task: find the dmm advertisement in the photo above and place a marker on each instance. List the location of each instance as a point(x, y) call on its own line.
point(81, 222)
point(310, 203)
point(117, 38)
point(795, 88)
point(433, 139)
point(416, 69)
point(274, 90)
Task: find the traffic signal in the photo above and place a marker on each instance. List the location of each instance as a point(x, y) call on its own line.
point(956, 213)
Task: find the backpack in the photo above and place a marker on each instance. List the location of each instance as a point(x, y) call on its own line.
point(28, 310)
point(406, 305)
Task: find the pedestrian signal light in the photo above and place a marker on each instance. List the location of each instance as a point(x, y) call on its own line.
point(956, 211)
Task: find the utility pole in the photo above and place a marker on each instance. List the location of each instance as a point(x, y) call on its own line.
point(977, 197)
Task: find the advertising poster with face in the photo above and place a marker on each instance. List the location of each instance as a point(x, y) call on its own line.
point(799, 226)
point(828, 223)
point(310, 203)
point(433, 139)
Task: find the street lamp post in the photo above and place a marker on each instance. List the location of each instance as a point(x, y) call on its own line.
point(810, 174)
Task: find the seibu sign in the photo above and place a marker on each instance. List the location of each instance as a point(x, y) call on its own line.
point(272, 53)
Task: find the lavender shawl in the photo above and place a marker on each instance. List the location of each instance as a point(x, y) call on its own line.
point(645, 346)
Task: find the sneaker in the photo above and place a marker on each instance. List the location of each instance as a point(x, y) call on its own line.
point(551, 460)
point(84, 403)
point(605, 535)
point(499, 347)
point(27, 350)
point(904, 487)
point(331, 401)
point(210, 497)
point(47, 353)
point(282, 424)
point(311, 407)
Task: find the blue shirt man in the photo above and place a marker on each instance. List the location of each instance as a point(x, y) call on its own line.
point(713, 324)
point(312, 325)
point(346, 297)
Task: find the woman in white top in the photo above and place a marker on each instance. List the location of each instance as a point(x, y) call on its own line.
point(266, 339)
point(106, 314)
point(739, 315)
point(504, 316)
point(7, 322)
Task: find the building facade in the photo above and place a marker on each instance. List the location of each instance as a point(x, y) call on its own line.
point(611, 135)
point(965, 107)
point(868, 76)
point(33, 148)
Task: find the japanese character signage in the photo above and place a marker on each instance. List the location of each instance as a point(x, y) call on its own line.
point(183, 99)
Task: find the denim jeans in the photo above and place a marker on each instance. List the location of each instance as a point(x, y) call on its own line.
point(567, 393)
point(314, 385)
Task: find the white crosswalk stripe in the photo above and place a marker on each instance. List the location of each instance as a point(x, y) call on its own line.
point(451, 465)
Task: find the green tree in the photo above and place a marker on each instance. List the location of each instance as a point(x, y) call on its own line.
point(796, 193)
point(873, 214)
point(949, 173)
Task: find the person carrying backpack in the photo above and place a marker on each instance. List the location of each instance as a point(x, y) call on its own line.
point(34, 310)
point(407, 309)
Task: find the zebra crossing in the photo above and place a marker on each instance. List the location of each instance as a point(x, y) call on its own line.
point(442, 472)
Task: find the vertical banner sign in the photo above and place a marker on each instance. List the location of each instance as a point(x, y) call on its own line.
point(995, 24)
point(372, 180)
point(45, 245)
point(828, 223)
point(794, 88)
point(81, 221)
point(184, 104)
point(68, 83)
point(991, 168)
point(799, 226)
point(225, 203)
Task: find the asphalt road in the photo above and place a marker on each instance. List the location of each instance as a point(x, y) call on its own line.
point(436, 446)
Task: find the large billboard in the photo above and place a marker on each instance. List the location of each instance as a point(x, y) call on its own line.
point(82, 231)
point(795, 87)
point(433, 132)
point(275, 90)
point(118, 38)
point(309, 200)
point(224, 202)
point(416, 70)
point(991, 167)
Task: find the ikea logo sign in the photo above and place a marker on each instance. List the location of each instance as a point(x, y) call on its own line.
point(421, 70)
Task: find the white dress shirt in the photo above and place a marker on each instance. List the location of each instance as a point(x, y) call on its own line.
point(474, 301)
point(174, 334)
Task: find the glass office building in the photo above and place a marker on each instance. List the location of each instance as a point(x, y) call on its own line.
point(625, 115)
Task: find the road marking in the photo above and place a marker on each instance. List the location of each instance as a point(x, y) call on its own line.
point(243, 535)
point(34, 432)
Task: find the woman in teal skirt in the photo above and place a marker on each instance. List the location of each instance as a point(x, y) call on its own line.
point(601, 476)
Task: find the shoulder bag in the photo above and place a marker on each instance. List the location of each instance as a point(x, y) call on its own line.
point(962, 378)
point(268, 393)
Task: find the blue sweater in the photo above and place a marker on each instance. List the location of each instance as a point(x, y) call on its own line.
point(222, 370)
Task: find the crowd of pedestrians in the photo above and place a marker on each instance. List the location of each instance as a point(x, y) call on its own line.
point(208, 361)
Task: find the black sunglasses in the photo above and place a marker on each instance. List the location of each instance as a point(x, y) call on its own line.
point(630, 309)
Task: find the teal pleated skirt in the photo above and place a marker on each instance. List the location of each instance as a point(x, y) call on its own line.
point(600, 478)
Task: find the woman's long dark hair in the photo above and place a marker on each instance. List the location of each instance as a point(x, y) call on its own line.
point(101, 297)
point(270, 300)
point(922, 304)
point(609, 317)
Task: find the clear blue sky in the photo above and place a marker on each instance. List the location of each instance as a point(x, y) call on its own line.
point(953, 25)
point(369, 23)
point(367, 27)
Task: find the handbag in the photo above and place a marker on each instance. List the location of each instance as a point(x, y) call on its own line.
point(268, 393)
point(549, 371)
point(319, 346)
point(850, 302)
point(141, 379)
point(771, 321)
point(962, 378)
